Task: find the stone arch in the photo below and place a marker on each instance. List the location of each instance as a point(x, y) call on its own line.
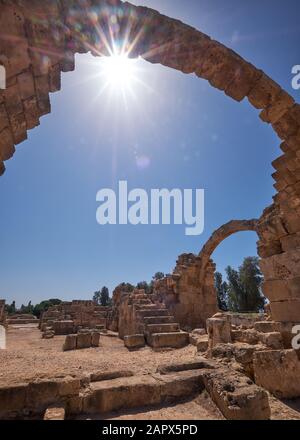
point(225, 231)
point(39, 40)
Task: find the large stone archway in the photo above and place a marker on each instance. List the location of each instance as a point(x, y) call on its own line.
point(38, 41)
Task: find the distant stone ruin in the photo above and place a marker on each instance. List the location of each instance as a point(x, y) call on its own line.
point(18, 319)
point(189, 293)
point(139, 319)
point(2, 312)
point(68, 317)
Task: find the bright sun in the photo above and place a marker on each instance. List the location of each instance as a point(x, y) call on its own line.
point(119, 71)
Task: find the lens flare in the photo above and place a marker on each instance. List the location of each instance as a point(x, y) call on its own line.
point(119, 71)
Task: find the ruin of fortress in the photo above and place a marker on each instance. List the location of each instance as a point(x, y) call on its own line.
point(235, 356)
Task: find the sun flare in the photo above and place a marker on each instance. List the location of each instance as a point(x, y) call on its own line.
point(119, 71)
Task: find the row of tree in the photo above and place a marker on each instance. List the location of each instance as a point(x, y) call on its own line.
point(36, 310)
point(242, 291)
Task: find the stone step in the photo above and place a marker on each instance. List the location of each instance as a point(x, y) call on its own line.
point(139, 296)
point(140, 391)
point(149, 306)
point(168, 340)
point(162, 328)
point(153, 312)
point(159, 319)
point(142, 302)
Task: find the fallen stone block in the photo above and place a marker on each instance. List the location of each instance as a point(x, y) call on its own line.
point(70, 343)
point(199, 332)
point(248, 336)
point(202, 344)
point(278, 371)
point(267, 326)
point(95, 339)
point(55, 413)
point(84, 340)
point(219, 330)
point(48, 335)
point(272, 340)
point(64, 327)
point(236, 395)
point(133, 342)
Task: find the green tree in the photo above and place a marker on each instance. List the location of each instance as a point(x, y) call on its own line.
point(125, 287)
point(222, 291)
point(143, 285)
point(104, 296)
point(43, 306)
point(11, 309)
point(158, 276)
point(97, 297)
point(244, 287)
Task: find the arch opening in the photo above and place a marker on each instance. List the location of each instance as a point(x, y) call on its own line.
point(38, 42)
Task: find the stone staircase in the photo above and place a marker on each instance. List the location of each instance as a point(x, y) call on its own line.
point(157, 324)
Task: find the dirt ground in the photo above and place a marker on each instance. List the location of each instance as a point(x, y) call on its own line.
point(29, 357)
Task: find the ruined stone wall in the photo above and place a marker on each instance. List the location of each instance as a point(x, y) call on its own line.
point(82, 313)
point(2, 312)
point(189, 300)
point(38, 41)
point(189, 292)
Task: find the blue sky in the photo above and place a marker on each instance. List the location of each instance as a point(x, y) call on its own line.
point(192, 135)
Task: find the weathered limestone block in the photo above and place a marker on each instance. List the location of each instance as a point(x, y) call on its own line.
point(84, 340)
point(290, 242)
point(121, 393)
point(26, 85)
point(70, 343)
point(18, 127)
point(55, 413)
point(134, 341)
point(202, 344)
point(279, 290)
point(248, 336)
point(272, 340)
point(278, 371)
point(286, 311)
point(7, 148)
point(12, 399)
point(219, 330)
point(282, 266)
point(42, 90)
point(264, 92)
point(267, 326)
point(63, 327)
point(168, 340)
point(95, 339)
point(277, 109)
point(31, 110)
point(236, 395)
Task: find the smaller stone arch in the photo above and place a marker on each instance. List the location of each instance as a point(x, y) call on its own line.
point(220, 235)
point(189, 292)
